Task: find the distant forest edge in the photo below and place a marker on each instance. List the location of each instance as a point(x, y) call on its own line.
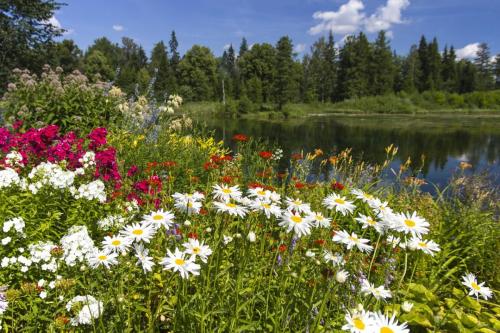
point(353, 74)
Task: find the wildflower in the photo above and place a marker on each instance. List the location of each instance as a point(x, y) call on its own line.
point(310, 254)
point(90, 309)
point(226, 193)
point(379, 292)
point(336, 259)
point(319, 220)
point(339, 203)
point(298, 205)
point(341, 276)
point(227, 239)
point(143, 259)
point(9, 177)
point(139, 232)
point(352, 240)
point(336, 186)
point(178, 263)
point(197, 249)
point(259, 192)
point(476, 289)
point(358, 322)
point(267, 207)
point(266, 155)
point(103, 258)
point(384, 324)
point(407, 306)
point(116, 243)
point(368, 221)
point(230, 208)
point(159, 218)
point(188, 203)
point(43, 294)
point(240, 138)
point(363, 196)
point(17, 222)
point(427, 246)
point(293, 221)
point(413, 224)
point(251, 237)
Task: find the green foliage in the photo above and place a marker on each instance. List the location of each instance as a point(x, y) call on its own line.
point(69, 101)
point(198, 74)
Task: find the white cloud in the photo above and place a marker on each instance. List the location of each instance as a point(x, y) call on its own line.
point(55, 22)
point(468, 51)
point(299, 48)
point(386, 16)
point(345, 21)
point(226, 47)
point(351, 17)
point(118, 27)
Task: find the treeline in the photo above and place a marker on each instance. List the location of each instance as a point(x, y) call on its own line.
point(266, 73)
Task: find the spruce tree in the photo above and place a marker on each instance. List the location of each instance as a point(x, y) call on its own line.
point(434, 62)
point(381, 67)
point(175, 58)
point(497, 71)
point(283, 80)
point(484, 68)
point(411, 71)
point(423, 61)
point(159, 66)
point(330, 70)
point(243, 47)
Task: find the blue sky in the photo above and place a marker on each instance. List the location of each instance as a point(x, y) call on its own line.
point(216, 23)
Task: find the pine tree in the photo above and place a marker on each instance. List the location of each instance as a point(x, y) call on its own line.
point(159, 66)
point(243, 47)
point(411, 71)
point(330, 63)
point(175, 58)
point(449, 70)
point(283, 80)
point(422, 82)
point(382, 67)
point(354, 71)
point(434, 58)
point(484, 69)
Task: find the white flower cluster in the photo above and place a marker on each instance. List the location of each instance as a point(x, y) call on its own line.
point(14, 159)
point(89, 309)
point(47, 173)
point(17, 223)
point(110, 222)
point(91, 191)
point(77, 245)
point(88, 159)
point(360, 320)
point(41, 253)
point(174, 101)
point(9, 177)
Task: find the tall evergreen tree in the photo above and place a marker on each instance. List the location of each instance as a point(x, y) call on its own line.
point(423, 61)
point(411, 71)
point(497, 71)
point(243, 47)
point(467, 77)
point(381, 67)
point(434, 62)
point(159, 66)
point(175, 58)
point(354, 59)
point(449, 70)
point(258, 67)
point(484, 68)
point(284, 74)
point(330, 63)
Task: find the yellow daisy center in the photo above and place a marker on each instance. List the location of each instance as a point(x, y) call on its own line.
point(340, 201)
point(297, 202)
point(267, 206)
point(231, 205)
point(475, 286)
point(102, 257)
point(319, 218)
point(116, 242)
point(138, 232)
point(359, 324)
point(179, 261)
point(386, 329)
point(261, 192)
point(422, 244)
point(410, 223)
point(157, 217)
point(196, 250)
point(296, 219)
point(226, 190)
point(354, 239)
point(370, 221)
point(190, 204)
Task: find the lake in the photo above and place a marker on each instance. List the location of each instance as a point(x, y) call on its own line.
point(445, 140)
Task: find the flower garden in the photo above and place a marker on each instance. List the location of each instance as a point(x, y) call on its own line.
point(122, 216)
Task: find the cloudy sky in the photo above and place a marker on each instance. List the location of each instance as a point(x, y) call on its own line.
point(217, 23)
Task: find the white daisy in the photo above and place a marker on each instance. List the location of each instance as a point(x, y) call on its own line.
point(358, 322)
point(475, 288)
point(337, 259)
point(384, 324)
point(139, 232)
point(230, 208)
point(159, 218)
point(259, 193)
point(352, 240)
point(368, 221)
point(189, 207)
point(116, 243)
point(178, 262)
point(341, 276)
point(265, 206)
point(294, 221)
point(318, 220)
point(339, 203)
point(411, 224)
point(102, 258)
point(427, 246)
point(363, 196)
point(225, 193)
point(379, 292)
point(197, 249)
point(298, 206)
point(143, 259)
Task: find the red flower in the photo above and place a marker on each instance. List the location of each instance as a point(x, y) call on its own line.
point(255, 184)
point(240, 137)
point(266, 154)
point(299, 185)
point(282, 248)
point(169, 164)
point(297, 156)
point(132, 170)
point(320, 242)
point(193, 235)
point(203, 211)
point(337, 186)
point(227, 179)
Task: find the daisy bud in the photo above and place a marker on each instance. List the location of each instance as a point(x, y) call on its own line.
point(310, 254)
point(187, 223)
point(407, 306)
point(341, 276)
point(208, 229)
point(251, 237)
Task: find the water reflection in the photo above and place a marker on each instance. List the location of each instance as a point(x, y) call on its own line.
point(443, 141)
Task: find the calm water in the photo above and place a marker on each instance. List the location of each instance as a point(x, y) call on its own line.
point(445, 141)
